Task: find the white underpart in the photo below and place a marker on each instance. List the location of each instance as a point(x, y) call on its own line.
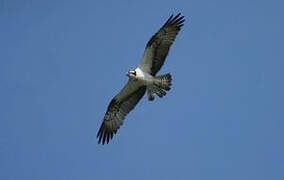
point(146, 78)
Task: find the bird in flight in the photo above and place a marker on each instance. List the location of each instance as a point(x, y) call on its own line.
point(142, 79)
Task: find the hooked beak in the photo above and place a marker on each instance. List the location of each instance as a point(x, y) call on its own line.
point(127, 74)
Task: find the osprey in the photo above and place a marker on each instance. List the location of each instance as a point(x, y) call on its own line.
point(142, 78)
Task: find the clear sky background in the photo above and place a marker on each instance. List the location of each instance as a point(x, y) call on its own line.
point(62, 61)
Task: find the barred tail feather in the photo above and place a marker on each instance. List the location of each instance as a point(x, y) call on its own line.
point(161, 84)
point(164, 81)
point(151, 96)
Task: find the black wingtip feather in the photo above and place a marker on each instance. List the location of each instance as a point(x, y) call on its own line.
point(105, 135)
point(104, 138)
point(170, 18)
point(181, 22)
point(101, 134)
point(178, 21)
point(108, 135)
point(100, 138)
point(175, 20)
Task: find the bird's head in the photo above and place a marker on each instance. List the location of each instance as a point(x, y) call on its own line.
point(131, 74)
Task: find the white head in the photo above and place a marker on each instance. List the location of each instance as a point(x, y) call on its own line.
point(131, 74)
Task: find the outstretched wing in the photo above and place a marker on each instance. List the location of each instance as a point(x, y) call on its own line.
point(159, 45)
point(118, 108)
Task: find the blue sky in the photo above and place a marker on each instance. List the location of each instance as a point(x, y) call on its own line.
point(61, 62)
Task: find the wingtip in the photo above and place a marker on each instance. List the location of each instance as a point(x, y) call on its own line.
point(104, 136)
point(169, 19)
point(177, 19)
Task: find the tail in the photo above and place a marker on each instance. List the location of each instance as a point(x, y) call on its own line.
point(164, 81)
point(161, 85)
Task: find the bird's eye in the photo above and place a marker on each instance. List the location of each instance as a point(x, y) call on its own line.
point(134, 72)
